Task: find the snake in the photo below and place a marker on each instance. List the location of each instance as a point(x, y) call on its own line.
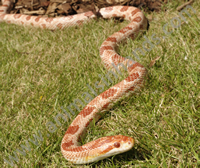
point(103, 147)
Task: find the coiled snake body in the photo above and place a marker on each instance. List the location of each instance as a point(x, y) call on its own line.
point(110, 145)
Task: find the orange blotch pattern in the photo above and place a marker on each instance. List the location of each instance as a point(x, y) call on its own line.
point(109, 9)
point(117, 59)
point(137, 19)
point(28, 18)
point(17, 16)
point(132, 77)
point(72, 129)
point(49, 20)
point(67, 145)
point(130, 68)
point(123, 9)
point(60, 26)
point(86, 111)
point(108, 93)
point(102, 49)
point(135, 11)
point(124, 30)
point(112, 39)
point(44, 26)
point(37, 19)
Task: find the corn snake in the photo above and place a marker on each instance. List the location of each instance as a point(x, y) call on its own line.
point(105, 146)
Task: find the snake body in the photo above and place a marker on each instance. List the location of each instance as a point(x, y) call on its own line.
point(110, 145)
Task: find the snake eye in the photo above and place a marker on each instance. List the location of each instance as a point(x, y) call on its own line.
point(116, 144)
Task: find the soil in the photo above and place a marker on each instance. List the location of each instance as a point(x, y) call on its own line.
point(55, 8)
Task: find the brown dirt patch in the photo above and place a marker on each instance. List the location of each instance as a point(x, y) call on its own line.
point(55, 8)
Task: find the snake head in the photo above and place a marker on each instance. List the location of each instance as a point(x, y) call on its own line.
point(107, 146)
point(118, 144)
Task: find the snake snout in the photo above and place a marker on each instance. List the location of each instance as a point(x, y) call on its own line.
point(128, 142)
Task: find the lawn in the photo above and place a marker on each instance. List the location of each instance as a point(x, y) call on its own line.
point(43, 72)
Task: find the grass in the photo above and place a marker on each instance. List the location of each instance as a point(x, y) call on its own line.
point(42, 71)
